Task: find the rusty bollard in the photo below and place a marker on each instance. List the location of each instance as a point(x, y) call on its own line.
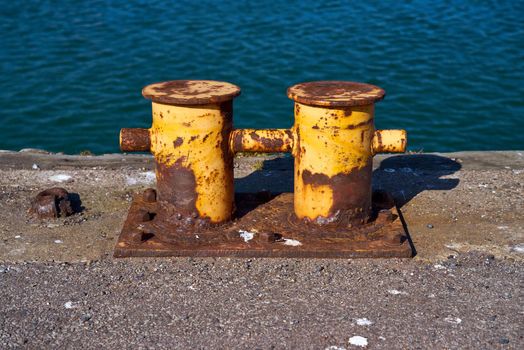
point(333, 141)
point(189, 138)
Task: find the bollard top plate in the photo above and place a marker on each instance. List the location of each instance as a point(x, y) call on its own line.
point(190, 92)
point(335, 93)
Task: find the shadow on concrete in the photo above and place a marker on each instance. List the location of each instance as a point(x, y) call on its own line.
point(273, 178)
point(405, 176)
point(275, 175)
point(76, 202)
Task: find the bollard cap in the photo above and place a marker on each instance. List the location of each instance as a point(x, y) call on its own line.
point(335, 93)
point(190, 92)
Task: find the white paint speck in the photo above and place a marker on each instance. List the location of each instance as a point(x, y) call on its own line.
point(357, 340)
point(439, 267)
point(431, 296)
point(60, 178)
point(389, 170)
point(454, 320)
point(334, 347)
point(396, 292)
point(518, 248)
point(246, 235)
point(381, 338)
point(503, 227)
point(292, 242)
point(69, 305)
point(35, 167)
point(18, 236)
point(58, 241)
point(364, 322)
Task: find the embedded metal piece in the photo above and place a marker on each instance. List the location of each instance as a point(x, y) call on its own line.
point(193, 141)
point(51, 204)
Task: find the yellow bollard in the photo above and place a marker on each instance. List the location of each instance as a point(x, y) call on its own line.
point(334, 137)
point(189, 139)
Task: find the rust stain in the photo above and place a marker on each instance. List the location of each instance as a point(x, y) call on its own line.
point(191, 92)
point(134, 139)
point(176, 184)
point(360, 125)
point(265, 140)
point(335, 93)
point(267, 143)
point(178, 142)
point(351, 195)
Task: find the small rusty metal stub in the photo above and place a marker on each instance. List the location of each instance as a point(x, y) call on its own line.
point(190, 92)
point(51, 203)
point(268, 230)
point(135, 140)
point(335, 93)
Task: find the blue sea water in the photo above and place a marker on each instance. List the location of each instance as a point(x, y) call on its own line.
point(71, 72)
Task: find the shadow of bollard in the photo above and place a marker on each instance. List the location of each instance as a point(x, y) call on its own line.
point(405, 176)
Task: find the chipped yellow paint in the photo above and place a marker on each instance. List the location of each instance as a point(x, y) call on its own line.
point(329, 141)
point(389, 141)
point(261, 140)
point(312, 201)
point(192, 136)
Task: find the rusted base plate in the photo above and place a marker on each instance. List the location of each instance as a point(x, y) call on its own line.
point(266, 230)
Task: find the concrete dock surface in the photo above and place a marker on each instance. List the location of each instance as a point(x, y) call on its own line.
point(61, 288)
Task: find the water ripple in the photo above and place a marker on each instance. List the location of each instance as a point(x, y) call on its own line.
point(72, 72)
